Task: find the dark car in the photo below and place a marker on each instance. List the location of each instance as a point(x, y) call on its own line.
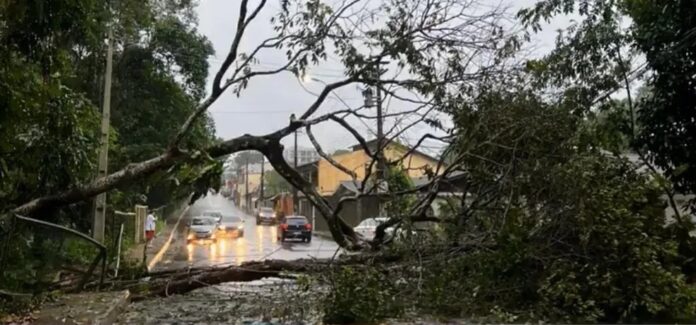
point(231, 226)
point(265, 215)
point(295, 227)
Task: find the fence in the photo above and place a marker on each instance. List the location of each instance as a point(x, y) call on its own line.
point(40, 255)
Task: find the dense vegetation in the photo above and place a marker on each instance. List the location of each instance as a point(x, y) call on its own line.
point(52, 65)
point(554, 230)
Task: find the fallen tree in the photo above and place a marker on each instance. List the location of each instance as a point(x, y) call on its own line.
point(179, 281)
point(423, 39)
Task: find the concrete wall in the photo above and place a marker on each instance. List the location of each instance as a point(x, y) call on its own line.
point(353, 212)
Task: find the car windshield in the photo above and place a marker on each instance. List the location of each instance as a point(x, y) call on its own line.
point(212, 214)
point(232, 219)
point(203, 221)
point(296, 221)
point(266, 210)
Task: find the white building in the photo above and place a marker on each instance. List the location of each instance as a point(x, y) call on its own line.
point(304, 155)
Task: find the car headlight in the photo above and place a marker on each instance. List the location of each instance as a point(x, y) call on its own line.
point(240, 227)
point(212, 236)
point(221, 227)
point(190, 236)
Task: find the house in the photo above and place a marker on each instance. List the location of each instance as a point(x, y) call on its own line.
point(334, 184)
point(250, 175)
point(327, 178)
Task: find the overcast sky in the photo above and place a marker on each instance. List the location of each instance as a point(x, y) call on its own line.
point(267, 103)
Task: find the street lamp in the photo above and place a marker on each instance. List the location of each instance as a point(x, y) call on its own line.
point(369, 98)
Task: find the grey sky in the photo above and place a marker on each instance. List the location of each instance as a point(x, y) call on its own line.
point(268, 102)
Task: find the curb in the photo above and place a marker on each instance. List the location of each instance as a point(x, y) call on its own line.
point(165, 247)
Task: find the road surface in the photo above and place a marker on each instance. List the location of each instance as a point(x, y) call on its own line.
point(258, 242)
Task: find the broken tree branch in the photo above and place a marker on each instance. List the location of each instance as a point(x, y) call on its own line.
point(323, 154)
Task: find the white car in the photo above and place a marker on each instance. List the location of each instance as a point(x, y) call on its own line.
point(202, 228)
point(367, 228)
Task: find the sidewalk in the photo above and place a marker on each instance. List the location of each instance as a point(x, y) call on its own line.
point(158, 245)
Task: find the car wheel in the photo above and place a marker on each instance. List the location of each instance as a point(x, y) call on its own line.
point(258, 222)
point(309, 239)
point(282, 238)
point(241, 234)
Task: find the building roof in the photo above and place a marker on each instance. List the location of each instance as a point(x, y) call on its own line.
point(352, 186)
point(373, 143)
point(450, 185)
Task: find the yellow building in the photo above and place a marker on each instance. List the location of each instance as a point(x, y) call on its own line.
point(326, 177)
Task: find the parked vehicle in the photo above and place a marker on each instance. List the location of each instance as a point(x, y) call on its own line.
point(368, 227)
point(265, 215)
point(202, 228)
point(295, 227)
point(215, 214)
point(231, 226)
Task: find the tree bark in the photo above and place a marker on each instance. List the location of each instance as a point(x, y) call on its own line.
point(127, 175)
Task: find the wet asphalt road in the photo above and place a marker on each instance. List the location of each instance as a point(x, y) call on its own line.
point(257, 243)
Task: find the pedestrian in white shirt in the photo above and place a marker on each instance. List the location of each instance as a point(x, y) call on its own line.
point(150, 227)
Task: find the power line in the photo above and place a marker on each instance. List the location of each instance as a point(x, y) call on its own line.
point(252, 112)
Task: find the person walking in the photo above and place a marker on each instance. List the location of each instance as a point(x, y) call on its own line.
point(150, 227)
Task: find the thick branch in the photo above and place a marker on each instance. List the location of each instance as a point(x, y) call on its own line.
point(129, 174)
point(232, 55)
point(342, 233)
point(328, 158)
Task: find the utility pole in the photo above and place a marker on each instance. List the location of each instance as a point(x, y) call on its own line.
point(98, 223)
point(381, 162)
point(294, 192)
point(263, 166)
point(246, 187)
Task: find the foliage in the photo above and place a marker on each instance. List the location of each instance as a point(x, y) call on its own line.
point(592, 58)
point(595, 249)
point(360, 295)
point(552, 228)
point(398, 181)
point(52, 62)
point(275, 184)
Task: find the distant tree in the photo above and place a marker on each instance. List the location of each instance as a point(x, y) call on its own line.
point(340, 152)
point(275, 184)
point(244, 157)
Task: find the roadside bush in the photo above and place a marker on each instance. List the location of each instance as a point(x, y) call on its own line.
point(592, 247)
point(595, 248)
point(361, 294)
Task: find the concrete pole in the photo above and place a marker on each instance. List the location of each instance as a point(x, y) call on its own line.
point(246, 187)
point(263, 166)
point(294, 191)
point(98, 223)
point(381, 159)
